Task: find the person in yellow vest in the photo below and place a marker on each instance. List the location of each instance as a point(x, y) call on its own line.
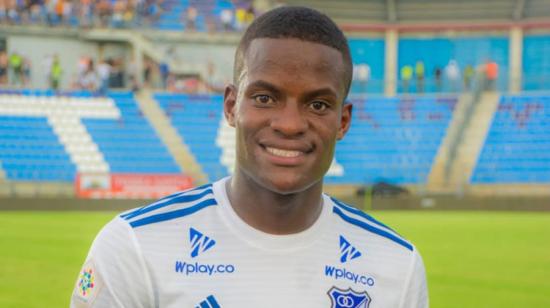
point(55, 74)
point(419, 72)
point(16, 65)
point(406, 76)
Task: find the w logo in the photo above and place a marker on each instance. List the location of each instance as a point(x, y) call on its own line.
point(347, 252)
point(199, 242)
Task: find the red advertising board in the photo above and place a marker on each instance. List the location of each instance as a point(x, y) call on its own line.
point(130, 186)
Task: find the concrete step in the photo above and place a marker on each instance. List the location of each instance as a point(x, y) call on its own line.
point(170, 137)
point(473, 139)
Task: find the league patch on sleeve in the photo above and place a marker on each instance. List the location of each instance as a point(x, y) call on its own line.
point(88, 285)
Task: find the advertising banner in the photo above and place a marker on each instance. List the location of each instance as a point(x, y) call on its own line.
point(130, 186)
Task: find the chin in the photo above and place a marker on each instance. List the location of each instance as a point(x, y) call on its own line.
point(287, 184)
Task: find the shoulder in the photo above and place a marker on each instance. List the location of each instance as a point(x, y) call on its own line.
point(364, 223)
point(178, 205)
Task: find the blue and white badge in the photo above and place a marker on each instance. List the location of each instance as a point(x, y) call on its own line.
point(348, 298)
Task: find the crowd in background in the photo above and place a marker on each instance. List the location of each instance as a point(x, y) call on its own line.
point(113, 73)
point(120, 13)
point(84, 13)
point(100, 76)
point(450, 78)
point(15, 69)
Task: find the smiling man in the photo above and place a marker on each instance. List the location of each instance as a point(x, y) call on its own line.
point(266, 236)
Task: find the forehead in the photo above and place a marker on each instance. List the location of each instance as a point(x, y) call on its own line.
point(291, 58)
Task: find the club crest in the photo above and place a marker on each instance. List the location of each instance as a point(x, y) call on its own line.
point(348, 298)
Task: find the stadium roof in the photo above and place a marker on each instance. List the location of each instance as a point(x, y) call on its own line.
point(425, 11)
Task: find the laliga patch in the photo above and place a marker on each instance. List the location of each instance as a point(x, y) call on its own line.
point(88, 284)
point(348, 298)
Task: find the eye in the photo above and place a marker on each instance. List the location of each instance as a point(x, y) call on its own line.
point(319, 106)
point(263, 99)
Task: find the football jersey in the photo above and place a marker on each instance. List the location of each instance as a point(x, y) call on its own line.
point(191, 249)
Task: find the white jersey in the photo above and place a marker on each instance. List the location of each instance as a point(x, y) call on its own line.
point(192, 250)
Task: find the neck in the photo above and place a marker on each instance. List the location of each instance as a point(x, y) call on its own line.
point(272, 212)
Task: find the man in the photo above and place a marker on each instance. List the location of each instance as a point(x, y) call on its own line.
point(267, 236)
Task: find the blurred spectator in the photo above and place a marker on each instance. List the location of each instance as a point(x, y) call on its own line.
point(67, 12)
point(240, 18)
point(27, 70)
point(55, 73)
point(58, 9)
point(469, 73)
point(419, 72)
point(35, 11)
point(226, 18)
point(250, 14)
point(117, 20)
point(4, 66)
point(164, 71)
point(103, 74)
point(437, 75)
point(191, 18)
point(116, 76)
point(103, 11)
point(85, 13)
point(50, 12)
point(90, 79)
point(147, 73)
point(406, 76)
point(361, 74)
point(452, 73)
point(491, 75)
point(132, 73)
point(16, 66)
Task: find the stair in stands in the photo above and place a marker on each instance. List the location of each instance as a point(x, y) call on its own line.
point(473, 140)
point(170, 137)
point(436, 178)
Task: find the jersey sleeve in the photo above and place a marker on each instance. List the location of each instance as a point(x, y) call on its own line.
point(415, 294)
point(114, 273)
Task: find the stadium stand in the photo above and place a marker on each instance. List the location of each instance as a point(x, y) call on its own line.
point(517, 149)
point(197, 120)
point(30, 151)
point(47, 137)
point(129, 144)
point(393, 139)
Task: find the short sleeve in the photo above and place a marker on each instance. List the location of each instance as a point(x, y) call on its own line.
point(114, 273)
point(415, 294)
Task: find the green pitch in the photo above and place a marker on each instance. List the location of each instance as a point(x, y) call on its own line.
point(473, 259)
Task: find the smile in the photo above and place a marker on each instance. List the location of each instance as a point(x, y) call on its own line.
point(283, 153)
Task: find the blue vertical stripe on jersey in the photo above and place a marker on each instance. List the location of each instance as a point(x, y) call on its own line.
point(179, 199)
point(212, 301)
point(372, 229)
point(174, 214)
point(353, 210)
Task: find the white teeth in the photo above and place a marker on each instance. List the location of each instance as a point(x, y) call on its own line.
point(283, 153)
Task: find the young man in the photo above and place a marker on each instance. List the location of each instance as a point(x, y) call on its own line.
point(267, 236)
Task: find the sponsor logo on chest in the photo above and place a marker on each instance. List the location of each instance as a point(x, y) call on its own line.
point(201, 244)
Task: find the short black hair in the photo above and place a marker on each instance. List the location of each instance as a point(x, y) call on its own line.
point(297, 22)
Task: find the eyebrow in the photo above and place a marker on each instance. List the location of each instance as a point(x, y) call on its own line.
point(264, 85)
point(272, 88)
point(321, 92)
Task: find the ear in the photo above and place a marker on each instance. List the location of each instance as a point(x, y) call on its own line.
point(345, 120)
point(230, 104)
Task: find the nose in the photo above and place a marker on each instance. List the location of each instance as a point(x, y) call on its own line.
point(290, 120)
